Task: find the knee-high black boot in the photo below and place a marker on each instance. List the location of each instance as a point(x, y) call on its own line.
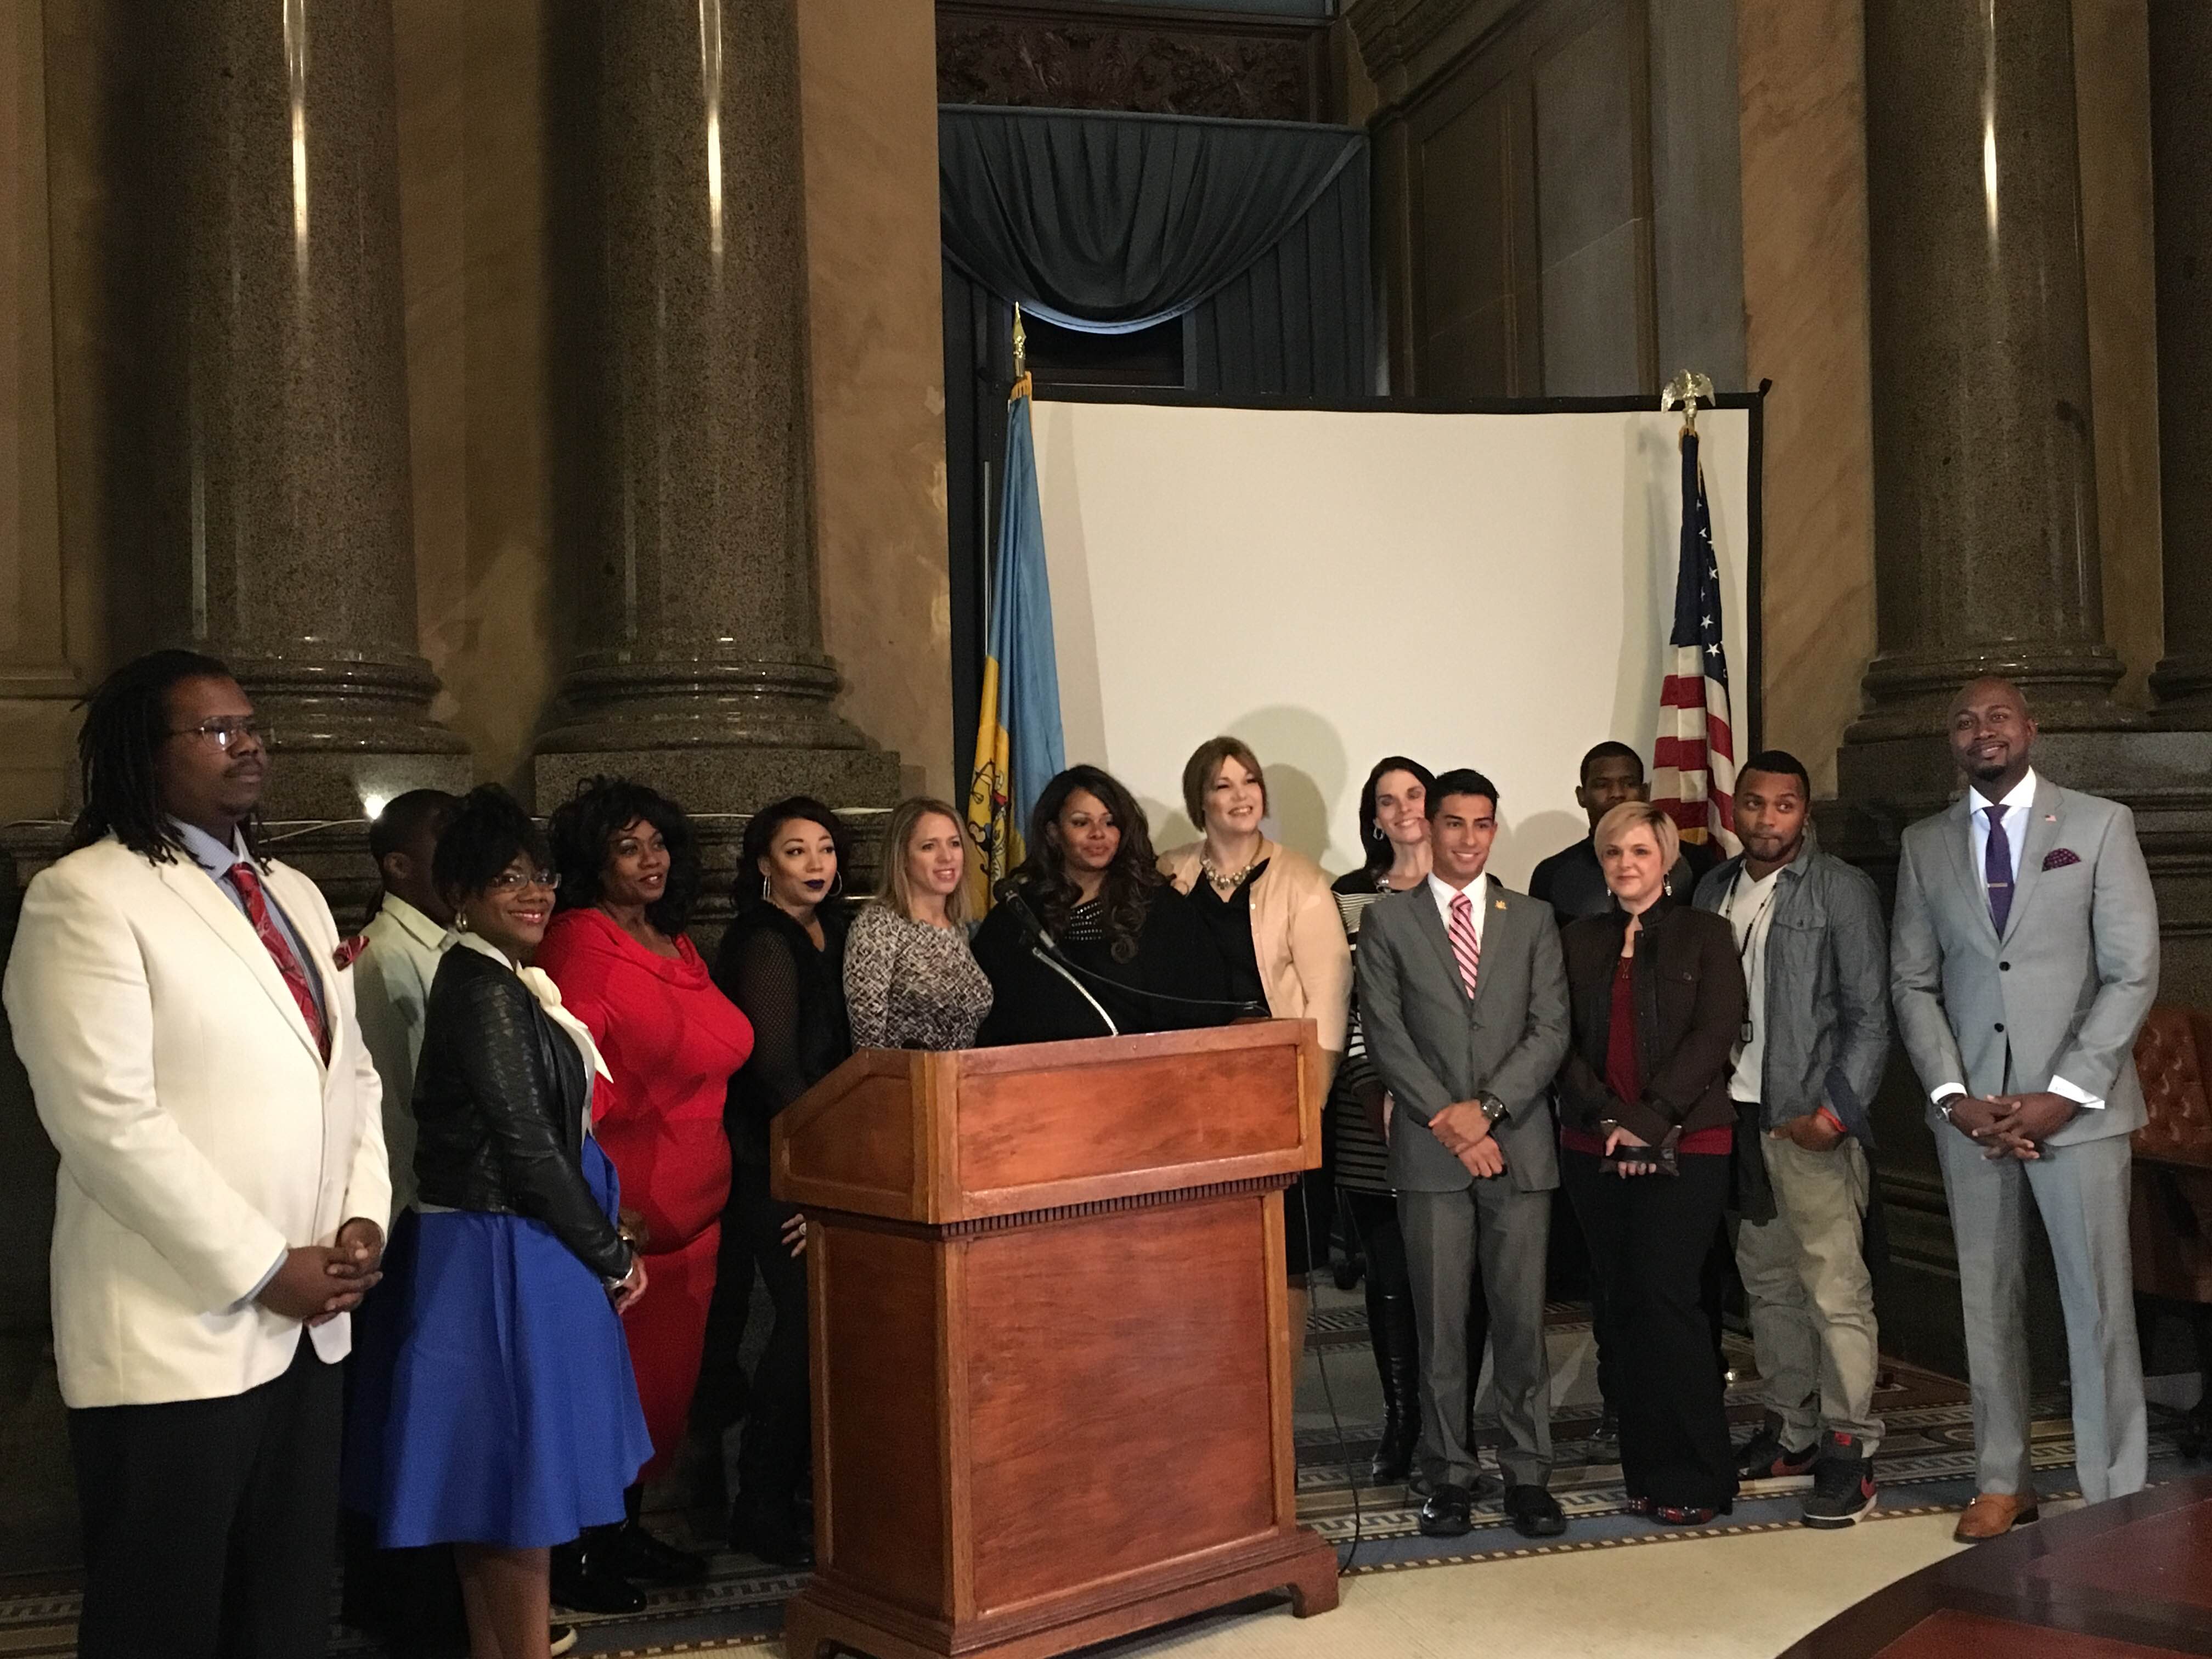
point(1397, 1346)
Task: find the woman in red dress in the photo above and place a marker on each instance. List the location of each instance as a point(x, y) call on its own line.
point(630, 875)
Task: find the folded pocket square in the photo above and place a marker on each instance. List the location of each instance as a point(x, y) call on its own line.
point(2060, 859)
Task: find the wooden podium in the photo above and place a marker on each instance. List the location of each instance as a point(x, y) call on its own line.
point(1051, 1364)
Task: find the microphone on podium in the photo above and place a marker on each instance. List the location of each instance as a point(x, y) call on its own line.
point(1008, 892)
point(1045, 948)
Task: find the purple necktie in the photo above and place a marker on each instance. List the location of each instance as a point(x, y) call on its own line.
point(1996, 869)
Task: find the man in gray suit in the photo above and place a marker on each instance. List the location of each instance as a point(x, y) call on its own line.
point(1463, 1002)
point(2023, 959)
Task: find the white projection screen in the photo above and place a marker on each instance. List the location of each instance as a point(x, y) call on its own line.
point(1333, 586)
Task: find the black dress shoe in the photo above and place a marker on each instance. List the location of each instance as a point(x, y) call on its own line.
point(1449, 1512)
point(773, 1533)
point(1419, 1484)
point(1535, 1512)
point(636, 1554)
point(584, 1581)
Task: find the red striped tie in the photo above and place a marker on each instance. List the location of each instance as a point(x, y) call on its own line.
point(1464, 945)
point(248, 880)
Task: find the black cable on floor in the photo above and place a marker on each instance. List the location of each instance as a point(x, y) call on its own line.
point(1329, 1392)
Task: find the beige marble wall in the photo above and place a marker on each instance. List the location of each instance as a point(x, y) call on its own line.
point(2112, 90)
point(38, 680)
point(868, 79)
point(475, 253)
point(1802, 95)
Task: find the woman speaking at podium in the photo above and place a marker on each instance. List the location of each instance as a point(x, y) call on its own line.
point(1091, 931)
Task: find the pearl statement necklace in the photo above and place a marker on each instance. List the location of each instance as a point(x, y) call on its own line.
point(1225, 883)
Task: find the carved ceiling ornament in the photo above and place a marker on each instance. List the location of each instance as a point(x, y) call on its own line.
point(1075, 57)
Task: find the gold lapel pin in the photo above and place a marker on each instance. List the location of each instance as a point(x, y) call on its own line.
point(1501, 904)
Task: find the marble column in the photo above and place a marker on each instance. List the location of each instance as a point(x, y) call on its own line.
point(2181, 186)
point(697, 661)
point(39, 680)
point(1985, 507)
point(263, 176)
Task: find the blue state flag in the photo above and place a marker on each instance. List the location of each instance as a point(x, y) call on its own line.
point(1019, 746)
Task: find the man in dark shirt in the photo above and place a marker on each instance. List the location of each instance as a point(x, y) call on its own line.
point(1570, 881)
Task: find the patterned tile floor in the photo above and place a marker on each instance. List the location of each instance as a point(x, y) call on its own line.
point(1925, 1465)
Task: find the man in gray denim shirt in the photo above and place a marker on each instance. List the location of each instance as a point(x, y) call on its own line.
point(1816, 960)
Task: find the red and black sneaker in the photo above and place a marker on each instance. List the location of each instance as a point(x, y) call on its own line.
point(1764, 1457)
point(1844, 1487)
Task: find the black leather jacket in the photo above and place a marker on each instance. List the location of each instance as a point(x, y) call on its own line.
point(499, 1108)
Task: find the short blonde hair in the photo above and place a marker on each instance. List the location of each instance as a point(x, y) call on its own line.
point(1639, 815)
point(1204, 761)
point(895, 892)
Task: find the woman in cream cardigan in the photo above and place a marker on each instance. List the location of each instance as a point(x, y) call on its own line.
point(1272, 915)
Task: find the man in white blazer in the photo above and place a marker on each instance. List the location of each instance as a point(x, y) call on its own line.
point(192, 1047)
point(2023, 960)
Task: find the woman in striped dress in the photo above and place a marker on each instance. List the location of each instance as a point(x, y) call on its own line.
point(1393, 831)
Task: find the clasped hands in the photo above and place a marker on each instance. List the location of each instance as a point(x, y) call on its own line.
point(319, 1282)
point(2011, 1126)
point(1463, 1128)
point(1615, 1138)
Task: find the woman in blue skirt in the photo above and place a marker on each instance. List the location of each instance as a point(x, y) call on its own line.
point(495, 1410)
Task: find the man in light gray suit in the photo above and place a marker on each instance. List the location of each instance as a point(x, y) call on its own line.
point(2023, 959)
point(1463, 1003)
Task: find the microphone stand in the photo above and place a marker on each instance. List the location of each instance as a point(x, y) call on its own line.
point(1046, 949)
point(1053, 963)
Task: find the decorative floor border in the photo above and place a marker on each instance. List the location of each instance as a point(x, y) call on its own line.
point(1657, 1535)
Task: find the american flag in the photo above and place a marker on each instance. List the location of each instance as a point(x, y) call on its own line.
point(1694, 763)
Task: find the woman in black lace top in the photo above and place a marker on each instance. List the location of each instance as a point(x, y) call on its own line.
point(782, 963)
point(1091, 879)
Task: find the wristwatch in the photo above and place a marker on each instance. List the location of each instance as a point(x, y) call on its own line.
point(1944, 1107)
point(1492, 1106)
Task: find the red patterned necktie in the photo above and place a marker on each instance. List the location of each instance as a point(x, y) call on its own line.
point(248, 880)
point(1464, 945)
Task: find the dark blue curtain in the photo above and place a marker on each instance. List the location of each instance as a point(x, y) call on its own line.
point(1255, 233)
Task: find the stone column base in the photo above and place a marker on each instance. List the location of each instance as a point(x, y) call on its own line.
point(708, 780)
point(2182, 683)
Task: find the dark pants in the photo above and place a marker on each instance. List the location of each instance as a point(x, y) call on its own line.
point(1370, 1229)
point(772, 1453)
point(722, 1395)
point(210, 1525)
point(1649, 1237)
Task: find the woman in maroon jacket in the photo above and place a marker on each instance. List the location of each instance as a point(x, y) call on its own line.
point(1646, 1128)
